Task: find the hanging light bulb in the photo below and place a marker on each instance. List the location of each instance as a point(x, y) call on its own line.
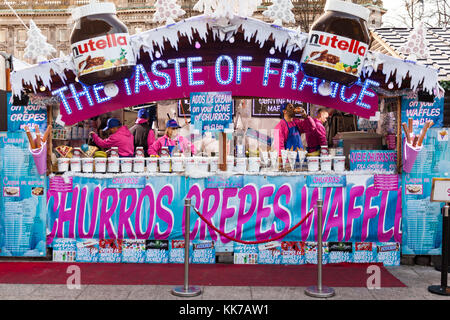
point(325, 88)
point(111, 90)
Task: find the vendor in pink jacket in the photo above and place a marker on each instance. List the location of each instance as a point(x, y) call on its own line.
point(287, 132)
point(170, 139)
point(318, 137)
point(119, 136)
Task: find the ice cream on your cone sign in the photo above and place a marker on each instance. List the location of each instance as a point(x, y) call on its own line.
point(211, 111)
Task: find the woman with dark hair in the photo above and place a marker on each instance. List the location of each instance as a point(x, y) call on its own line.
point(143, 135)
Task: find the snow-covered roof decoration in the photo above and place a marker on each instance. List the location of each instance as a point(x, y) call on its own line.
point(222, 29)
point(393, 67)
point(42, 73)
point(417, 44)
point(390, 41)
point(287, 41)
point(19, 64)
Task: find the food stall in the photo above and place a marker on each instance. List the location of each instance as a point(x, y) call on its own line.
point(224, 81)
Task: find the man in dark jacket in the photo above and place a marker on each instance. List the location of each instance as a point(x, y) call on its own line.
point(140, 130)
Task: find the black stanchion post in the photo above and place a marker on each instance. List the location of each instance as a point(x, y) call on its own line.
point(443, 289)
point(186, 290)
point(319, 291)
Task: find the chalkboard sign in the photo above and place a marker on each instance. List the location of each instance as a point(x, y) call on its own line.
point(184, 108)
point(270, 108)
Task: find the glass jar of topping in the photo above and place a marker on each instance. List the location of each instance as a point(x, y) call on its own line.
point(337, 43)
point(76, 153)
point(140, 152)
point(114, 152)
point(100, 44)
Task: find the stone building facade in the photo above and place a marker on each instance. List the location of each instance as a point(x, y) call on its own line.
point(53, 18)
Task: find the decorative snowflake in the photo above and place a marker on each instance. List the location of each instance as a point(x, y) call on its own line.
point(227, 9)
point(37, 49)
point(280, 11)
point(167, 11)
point(416, 47)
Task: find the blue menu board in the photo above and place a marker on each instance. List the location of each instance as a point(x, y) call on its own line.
point(422, 219)
point(421, 112)
point(22, 199)
point(30, 115)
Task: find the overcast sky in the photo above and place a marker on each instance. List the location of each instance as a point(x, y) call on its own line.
point(396, 9)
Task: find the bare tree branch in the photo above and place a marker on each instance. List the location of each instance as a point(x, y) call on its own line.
point(306, 11)
point(433, 13)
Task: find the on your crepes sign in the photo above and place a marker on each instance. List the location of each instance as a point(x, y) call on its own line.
point(211, 111)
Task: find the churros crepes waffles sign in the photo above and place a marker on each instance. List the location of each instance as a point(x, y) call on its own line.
point(261, 209)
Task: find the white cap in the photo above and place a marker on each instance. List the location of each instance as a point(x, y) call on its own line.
point(348, 7)
point(93, 8)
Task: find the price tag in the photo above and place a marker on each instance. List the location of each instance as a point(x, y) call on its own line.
point(440, 190)
point(326, 181)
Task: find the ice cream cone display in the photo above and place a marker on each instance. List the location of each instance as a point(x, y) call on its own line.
point(443, 135)
point(412, 144)
point(47, 133)
point(284, 158)
point(30, 138)
point(38, 136)
point(40, 158)
point(292, 158)
point(265, 158)
point(38, 147)
point(423, 133)
point(274, 160)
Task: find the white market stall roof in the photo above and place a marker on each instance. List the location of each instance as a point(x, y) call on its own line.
point(390, 40)
point(52, 74)
point(20, 65)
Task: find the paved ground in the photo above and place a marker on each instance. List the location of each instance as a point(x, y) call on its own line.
point(417, 278)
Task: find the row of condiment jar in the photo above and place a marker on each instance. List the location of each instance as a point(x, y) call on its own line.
point(191, 164)
point(326, 163)
point(156, 164)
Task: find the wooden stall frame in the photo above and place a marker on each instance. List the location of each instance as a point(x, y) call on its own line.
point(49, 140)
point(399, 134)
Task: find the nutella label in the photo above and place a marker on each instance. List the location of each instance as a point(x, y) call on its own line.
point(101, 53)
point(334, 52)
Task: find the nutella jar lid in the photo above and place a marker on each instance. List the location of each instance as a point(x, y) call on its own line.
point(93, 8)
point(348, 7)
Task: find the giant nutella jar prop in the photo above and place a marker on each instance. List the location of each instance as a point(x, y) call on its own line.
point(337, 43)
point(100, 44)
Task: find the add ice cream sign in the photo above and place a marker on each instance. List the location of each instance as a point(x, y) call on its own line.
point(421, 112)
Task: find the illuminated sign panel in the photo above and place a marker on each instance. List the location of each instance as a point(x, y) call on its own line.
point(177, 78)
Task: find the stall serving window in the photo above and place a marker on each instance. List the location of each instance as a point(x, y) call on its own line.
point(367, 144)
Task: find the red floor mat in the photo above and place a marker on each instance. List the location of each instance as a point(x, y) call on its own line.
point(334, 275)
